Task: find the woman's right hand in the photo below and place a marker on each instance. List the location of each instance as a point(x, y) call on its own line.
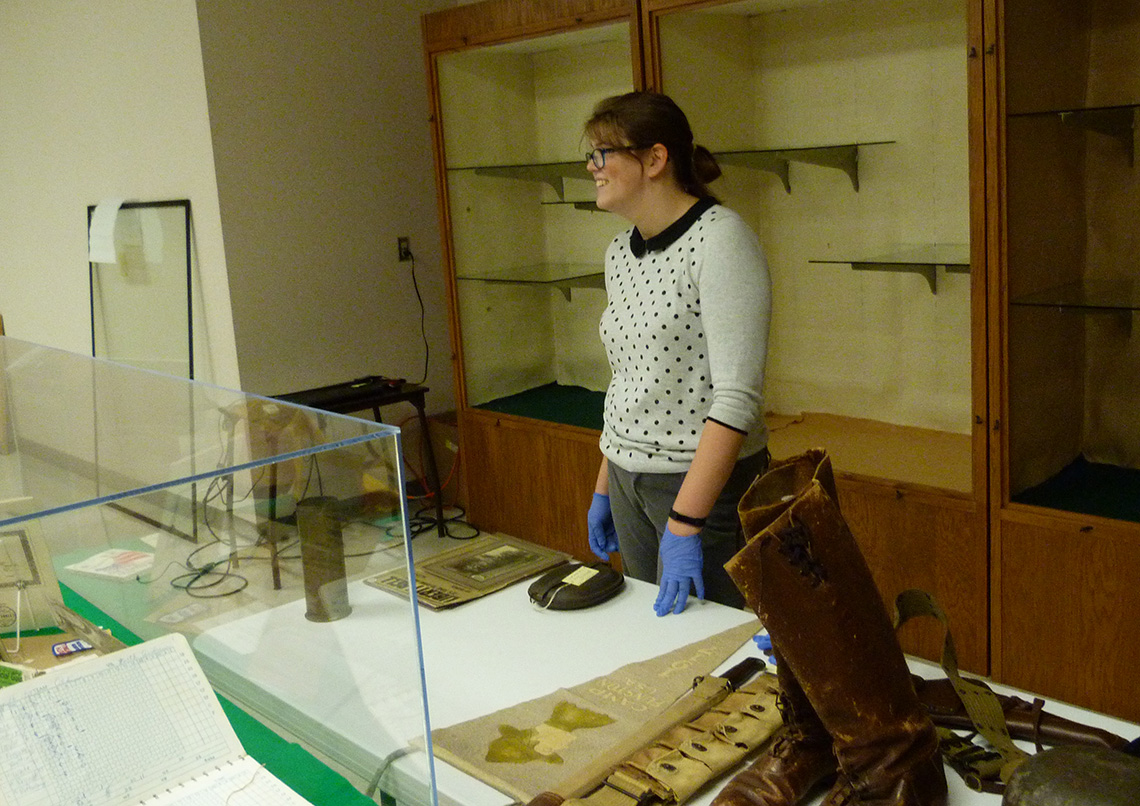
point(600, 522)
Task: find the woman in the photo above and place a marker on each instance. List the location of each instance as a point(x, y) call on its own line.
point(685, 331)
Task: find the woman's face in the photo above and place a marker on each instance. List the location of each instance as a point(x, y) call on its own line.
point(618, 180)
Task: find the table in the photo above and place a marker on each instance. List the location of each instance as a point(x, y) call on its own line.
point(480, 657)
point(374, 392)
point(499, 638)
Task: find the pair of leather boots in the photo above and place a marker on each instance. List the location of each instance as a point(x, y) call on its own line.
point(851, 718)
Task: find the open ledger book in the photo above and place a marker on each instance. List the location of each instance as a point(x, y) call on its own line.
point(141, 725)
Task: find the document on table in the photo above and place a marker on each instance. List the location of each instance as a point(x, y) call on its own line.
point(243, 782)
point(141, 725)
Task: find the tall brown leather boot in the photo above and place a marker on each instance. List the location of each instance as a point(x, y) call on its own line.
point(800, 758)
point(808, 582)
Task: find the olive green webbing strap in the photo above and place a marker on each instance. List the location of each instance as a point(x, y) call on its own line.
point(979, 767)
point(975, 765)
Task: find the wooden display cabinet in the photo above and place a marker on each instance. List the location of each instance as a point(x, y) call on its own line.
point(1067, 468)
point(511, 85)
point(848, 132)
point(844, 133)
point(947, 194)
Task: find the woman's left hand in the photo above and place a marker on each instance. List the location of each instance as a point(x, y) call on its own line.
point(682, 562)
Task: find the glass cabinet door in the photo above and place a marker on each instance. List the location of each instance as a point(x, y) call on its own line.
point(1073, 263)
point(527, 240)
point(843, 134)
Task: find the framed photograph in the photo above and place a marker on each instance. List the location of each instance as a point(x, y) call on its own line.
point(28, 586)
point(484, 565)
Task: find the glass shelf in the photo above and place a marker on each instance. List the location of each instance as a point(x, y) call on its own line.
point(554, 174)
point(563, 276)
point(843, 157)
point(1113, 295)
point(1117, 122)
point(924, 259)
point(588, 206)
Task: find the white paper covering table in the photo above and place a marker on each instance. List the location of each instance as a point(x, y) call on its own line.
point(479, 658)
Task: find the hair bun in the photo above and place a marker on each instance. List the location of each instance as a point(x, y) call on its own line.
point(705, 166)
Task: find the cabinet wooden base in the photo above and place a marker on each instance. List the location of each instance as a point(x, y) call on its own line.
point(529, 478)
point(534, 479)
point(1067, 612)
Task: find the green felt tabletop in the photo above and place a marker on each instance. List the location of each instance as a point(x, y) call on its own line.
point(554, 402)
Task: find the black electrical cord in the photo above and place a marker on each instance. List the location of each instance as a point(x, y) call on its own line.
point(424, 520)
point(205, 577)
point(202, 578)
point(423, 314)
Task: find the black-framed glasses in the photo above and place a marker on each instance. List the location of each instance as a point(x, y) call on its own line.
point(598, 155)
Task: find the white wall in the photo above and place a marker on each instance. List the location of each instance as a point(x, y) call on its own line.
point(299, 132)
point(873, 345)
point(319, 114)
point(100, 100)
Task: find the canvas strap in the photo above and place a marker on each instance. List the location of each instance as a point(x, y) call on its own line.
point(671, 769)
point(985, 710)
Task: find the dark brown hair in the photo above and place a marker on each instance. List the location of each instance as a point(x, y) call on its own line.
point(645, 118)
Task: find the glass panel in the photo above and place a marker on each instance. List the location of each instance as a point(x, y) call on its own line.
point(154, 504)
point(522, 213)
point(1120, 294)
point(141, 301)
point(1073, 208)
point(842, 131)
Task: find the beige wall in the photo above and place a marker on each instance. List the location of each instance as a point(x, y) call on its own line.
point(873, 345)
point(100, 100)
point(315, 116)
point(320, 127)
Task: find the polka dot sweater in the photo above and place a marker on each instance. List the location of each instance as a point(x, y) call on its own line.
point(686, 334)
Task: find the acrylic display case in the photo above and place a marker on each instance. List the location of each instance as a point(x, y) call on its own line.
point(249, 525)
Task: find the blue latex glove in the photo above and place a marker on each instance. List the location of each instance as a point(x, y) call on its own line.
point(681, 564)
point(603, 537)
point(764, 644)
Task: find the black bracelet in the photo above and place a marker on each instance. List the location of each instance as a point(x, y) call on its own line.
point(685, 519)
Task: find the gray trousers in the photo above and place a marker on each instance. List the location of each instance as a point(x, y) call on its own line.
point(640, 503)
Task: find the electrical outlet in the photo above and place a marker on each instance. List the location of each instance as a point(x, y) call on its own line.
point(404, 248)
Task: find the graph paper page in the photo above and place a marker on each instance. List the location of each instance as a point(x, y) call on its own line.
point(115, 729)
point(238, 783)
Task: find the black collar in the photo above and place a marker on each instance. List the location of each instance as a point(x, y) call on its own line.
point(639, 246)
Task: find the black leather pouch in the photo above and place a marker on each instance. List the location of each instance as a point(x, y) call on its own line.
point(573, 586)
